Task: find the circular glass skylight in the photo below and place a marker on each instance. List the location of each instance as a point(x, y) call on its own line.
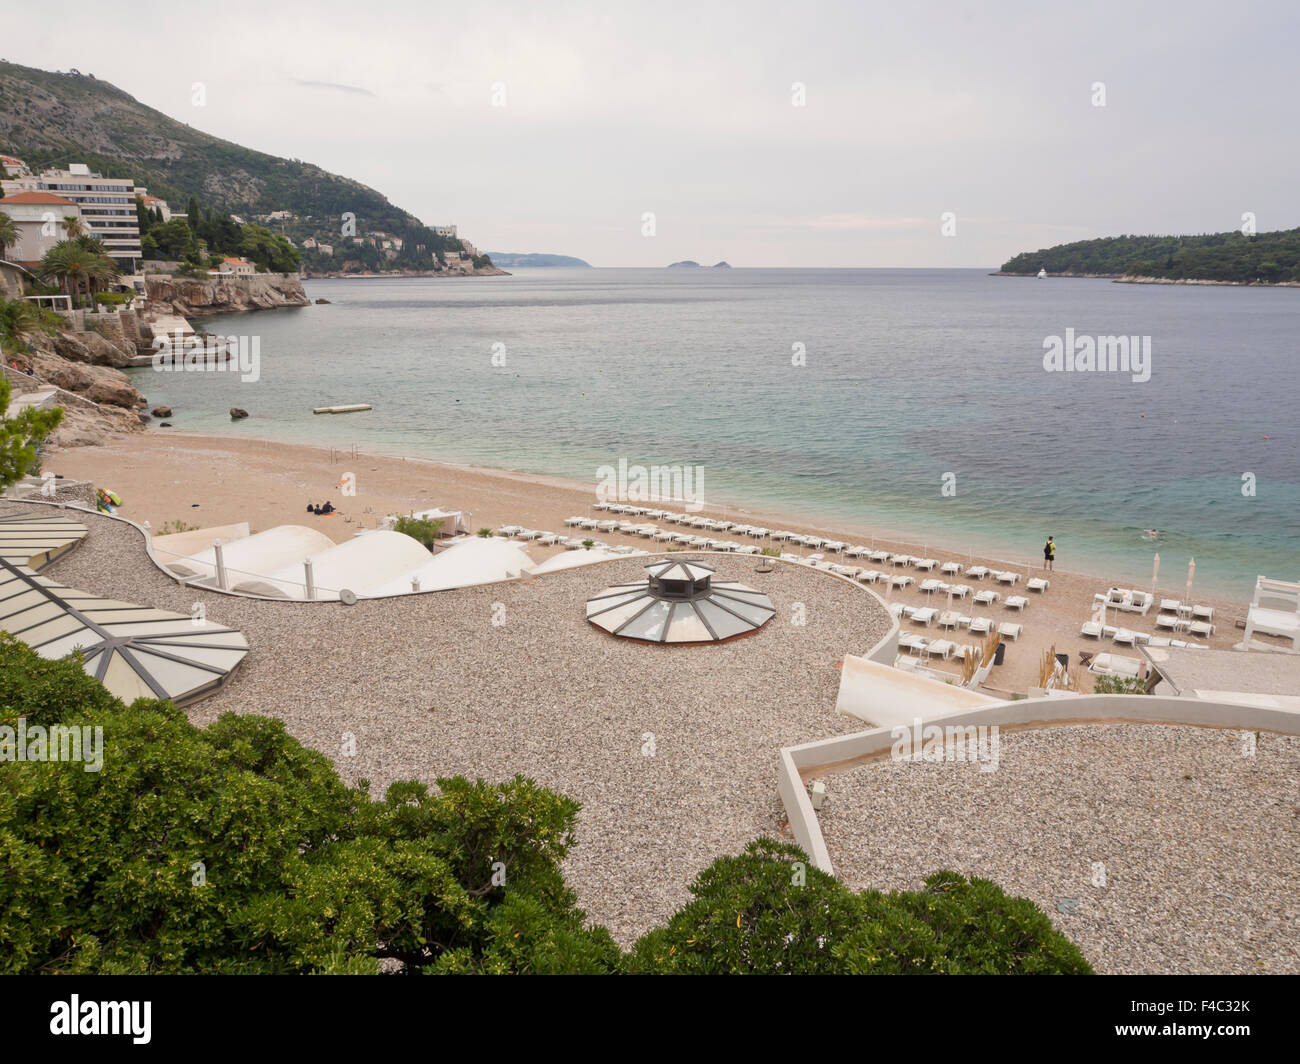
point(680, 602)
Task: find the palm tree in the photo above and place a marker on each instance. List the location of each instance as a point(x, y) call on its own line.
point(73, 227)
point(19, 319)
point(8, 234)
point(103, 274)
point(70, 265)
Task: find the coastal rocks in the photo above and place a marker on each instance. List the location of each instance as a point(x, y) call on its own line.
point(236, 414)
point(192, 297)
point(99, 384)
point(161, 411)
point(321, 302)
point(92, 349)
point(107, 391)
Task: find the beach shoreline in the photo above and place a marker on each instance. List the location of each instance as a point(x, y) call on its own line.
point(208, 481)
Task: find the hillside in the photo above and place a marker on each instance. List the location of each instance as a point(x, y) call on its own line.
point(512, 259)
point(1270, 258)
point(51, 119)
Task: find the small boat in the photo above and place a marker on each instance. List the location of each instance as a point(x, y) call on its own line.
point(351, 408)
point(1042, 274)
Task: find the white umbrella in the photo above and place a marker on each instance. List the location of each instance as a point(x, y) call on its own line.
point(1155, 571)
point(1191, 572)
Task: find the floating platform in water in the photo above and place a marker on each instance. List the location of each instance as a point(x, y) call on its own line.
point(351, 408)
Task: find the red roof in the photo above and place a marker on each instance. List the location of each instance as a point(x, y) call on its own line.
point(37, 197)
point(237, 262)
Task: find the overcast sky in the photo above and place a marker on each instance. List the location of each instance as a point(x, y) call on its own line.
point(687, 110)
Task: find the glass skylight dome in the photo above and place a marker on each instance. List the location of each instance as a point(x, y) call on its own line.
point(680, 602)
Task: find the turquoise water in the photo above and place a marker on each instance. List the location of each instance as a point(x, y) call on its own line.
point(909, 375)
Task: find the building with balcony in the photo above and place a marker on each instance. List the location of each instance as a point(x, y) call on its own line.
point(106, 206)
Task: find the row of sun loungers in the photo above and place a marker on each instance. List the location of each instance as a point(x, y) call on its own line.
point(942, 648)
point(1127, 637)
point(951, 620)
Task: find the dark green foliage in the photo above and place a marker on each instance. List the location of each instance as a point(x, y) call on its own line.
point(769, 910)
point(1119, 685)
point(20, 436)
point(419, 528)
point(303, 873)
point(1230, 256)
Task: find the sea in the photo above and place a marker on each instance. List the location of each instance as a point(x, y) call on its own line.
point(913, 404)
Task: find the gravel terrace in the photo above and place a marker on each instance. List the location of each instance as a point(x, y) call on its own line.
point(1199, 843)
point(431, 687)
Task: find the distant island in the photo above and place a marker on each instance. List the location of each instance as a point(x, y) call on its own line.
point(515, 259)
point(724, 265)
point(1212, 258)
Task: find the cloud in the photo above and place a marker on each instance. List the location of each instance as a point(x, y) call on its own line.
point(335, 86)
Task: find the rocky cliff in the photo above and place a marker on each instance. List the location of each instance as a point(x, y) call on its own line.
point(190, 297)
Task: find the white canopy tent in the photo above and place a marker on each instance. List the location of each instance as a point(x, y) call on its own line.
point(356, 565)
point(255, 555)
point(463, 564)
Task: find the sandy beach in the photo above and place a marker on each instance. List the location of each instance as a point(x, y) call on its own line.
point(209, 481)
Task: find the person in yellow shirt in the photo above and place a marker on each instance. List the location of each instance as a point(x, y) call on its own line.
point(1049, 553)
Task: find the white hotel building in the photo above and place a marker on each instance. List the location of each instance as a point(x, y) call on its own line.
point(106, 205)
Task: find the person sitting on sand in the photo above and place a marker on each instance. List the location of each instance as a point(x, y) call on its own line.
point(1049, 553)
point(328, 508)
point(312, 508)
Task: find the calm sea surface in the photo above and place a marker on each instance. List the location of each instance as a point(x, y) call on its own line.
point(909, 375)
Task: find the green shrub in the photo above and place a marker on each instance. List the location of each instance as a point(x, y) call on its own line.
point(419, 528)
point(770, 910)
point(234, 849)
point(112, 299)
point(1119, 685)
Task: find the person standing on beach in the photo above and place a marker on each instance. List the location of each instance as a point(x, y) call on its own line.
point(1049, 553)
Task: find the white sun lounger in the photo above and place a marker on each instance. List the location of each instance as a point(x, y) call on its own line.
point(573, 522)
point(1168, 620)
point(1008, 630)
point(960, 591)
point(869, 576)
point(896, 608)
point(977, 572)
point(950, 568)
point(925, 615)
point(898, 559)
point(1203, 613)
point(748, 549)
point(949, 619)
point(1092, 629)
point(1007, 577)
point(855, 552)
point(1037, 584)
point(926, 564)
point(908, 641)
point(942, 647)
point(1114, 665)
point(1201, 628)
point(931, 586)
point(878, 556)
point(1126, 638)
point(980, 625)
point(1016, 602)
point(1170, 605)
point(986, 598)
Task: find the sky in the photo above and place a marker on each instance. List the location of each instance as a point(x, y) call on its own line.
point(921, 134)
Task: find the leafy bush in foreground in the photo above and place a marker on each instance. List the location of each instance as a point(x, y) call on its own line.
point(769, 910)
point(234, 849)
